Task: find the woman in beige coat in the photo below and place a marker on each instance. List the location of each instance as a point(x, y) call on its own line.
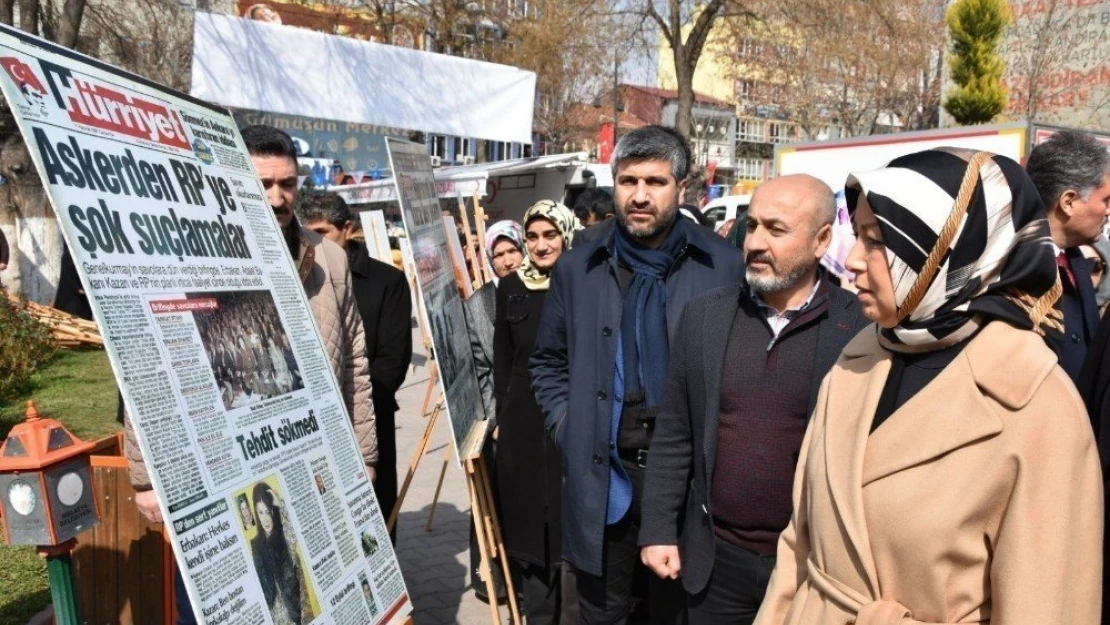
point(949, 473)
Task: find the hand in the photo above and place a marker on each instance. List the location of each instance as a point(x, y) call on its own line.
point(662, 559)
point(371, 473)
point(496, 432)
point(147, 502)
point(3, 266)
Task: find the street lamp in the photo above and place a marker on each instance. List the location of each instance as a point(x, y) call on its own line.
point(47, 499)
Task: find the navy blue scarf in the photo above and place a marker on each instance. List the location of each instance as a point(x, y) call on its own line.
point(644, 321)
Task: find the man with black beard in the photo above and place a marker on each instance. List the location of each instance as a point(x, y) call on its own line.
point(611, 311)
point(747, 364)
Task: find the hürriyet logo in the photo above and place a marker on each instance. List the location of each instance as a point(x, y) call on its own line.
point(95, 104)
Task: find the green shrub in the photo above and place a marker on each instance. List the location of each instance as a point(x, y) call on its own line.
point(976, 29)
point(25, 345)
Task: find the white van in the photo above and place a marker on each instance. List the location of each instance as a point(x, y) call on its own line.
point(724, 208)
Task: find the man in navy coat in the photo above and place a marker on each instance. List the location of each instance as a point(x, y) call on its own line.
point(601, 359)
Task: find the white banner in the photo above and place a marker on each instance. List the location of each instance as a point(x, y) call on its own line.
point(282, 69)
point(210, 336)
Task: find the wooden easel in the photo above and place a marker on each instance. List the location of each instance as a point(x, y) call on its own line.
point(477, 275)
point(480, 223)
point(421, 448)
point(491, 545)
point(483, 510)
point(433, 377)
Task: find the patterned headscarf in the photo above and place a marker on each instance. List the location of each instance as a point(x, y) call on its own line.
point(505, 229)
point(564, 220)
point(967, 241)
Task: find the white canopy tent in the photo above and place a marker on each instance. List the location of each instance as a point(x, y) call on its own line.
point(385, 190)
point(294, 71)
point(467, 180)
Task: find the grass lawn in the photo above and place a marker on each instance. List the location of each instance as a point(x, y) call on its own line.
point(78, 389)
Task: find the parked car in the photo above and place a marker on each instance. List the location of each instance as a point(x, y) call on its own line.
point(724, 208)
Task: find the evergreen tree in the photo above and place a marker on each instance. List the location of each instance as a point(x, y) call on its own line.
point(976, 28)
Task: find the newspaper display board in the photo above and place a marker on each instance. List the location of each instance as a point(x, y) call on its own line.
point(435, 278)
point(209, 333)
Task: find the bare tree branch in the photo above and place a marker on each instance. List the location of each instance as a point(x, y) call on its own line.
point(664, 28)
point(704, 22)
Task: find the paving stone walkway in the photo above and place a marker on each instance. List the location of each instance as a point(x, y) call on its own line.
point(435, 564)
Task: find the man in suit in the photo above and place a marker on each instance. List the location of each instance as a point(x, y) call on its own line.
point(745, 370)
point(1072, 173)
point(385, 304)
point(600, 363)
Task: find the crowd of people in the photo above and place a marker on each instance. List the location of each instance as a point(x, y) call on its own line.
point(694, 429)
point(771, 442)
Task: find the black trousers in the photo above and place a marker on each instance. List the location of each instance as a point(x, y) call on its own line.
point(385, 486)
point(540, 592)
point(735, 589)
point(605, 599)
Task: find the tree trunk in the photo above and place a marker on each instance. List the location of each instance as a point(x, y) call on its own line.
point(683, 72)
point(684, 76)
point(25, 210)
point(37, 243)
point(72, 13)
point(29, 16)
point(7, 12)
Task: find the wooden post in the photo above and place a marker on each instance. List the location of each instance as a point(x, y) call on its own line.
point(425, 439)
point(439, 488)
point(488, 532)
point(483, 548)
point(475, 273)
point(433, 377)
point(484, 512)
point(480, 222)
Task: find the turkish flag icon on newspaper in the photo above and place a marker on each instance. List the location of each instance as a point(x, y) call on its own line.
point(22, 75)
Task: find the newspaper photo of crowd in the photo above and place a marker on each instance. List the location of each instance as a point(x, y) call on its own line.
point(247, 348)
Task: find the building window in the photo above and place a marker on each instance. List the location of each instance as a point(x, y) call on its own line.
point(439, 146)
point(750, 168)
point(743, 89)
point(780, 132)
point(462, 145)
point(749, 131)
point(748, 48)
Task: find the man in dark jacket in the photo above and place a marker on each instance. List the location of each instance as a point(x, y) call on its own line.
point(600, 363)
point(384, 301)
point(745, 371)
point(1072, 173)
